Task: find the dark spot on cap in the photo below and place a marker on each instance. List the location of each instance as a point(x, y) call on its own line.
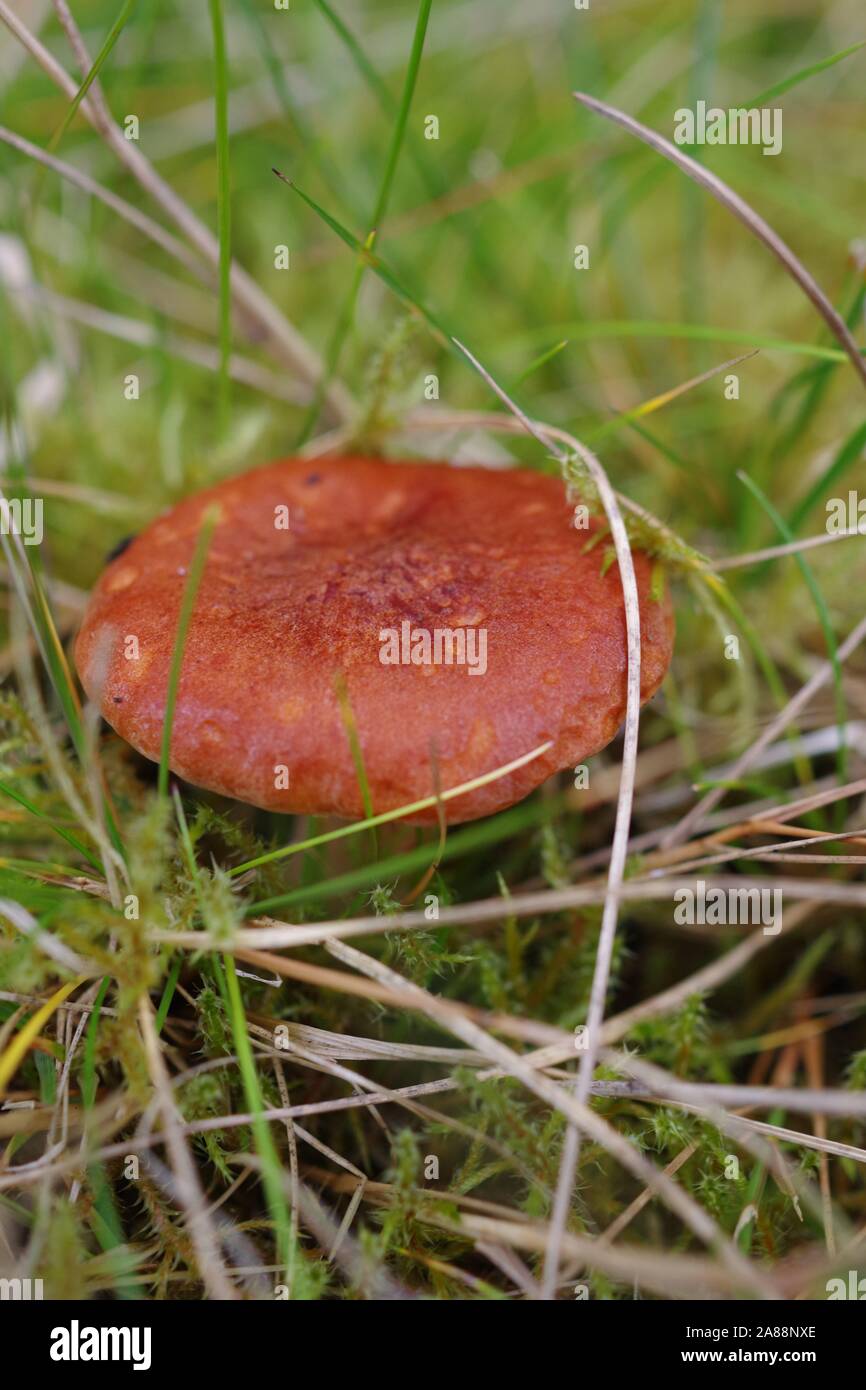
point(118, 549)
point(313, 478)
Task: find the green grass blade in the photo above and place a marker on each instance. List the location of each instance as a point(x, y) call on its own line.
point(814, 381)
point(224, 213)
point(850, 452)
point(708, 23)
point(99, 61)
point(88, 1067)
point(346, 316)
point(796, 78)
point(402, 114)
point(350, 725)
point(229, 988)
point(437, 185)
point(362, 62)
point(328, 171)
point(539, 362)
point(767, 666)
point(823, 617)
point(272, 1172)
point(587, 330)
point(58, 829)
point(466, 840)
point(385, 817)
point(362, 249)
point(107, 1224)
point(168, 992)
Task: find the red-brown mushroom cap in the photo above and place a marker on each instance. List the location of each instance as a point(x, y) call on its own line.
point(322, 570)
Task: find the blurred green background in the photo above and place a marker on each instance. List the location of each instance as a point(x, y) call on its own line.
point(481, 227)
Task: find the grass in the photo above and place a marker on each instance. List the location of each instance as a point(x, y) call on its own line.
point(224, 208)
point(823, 618)
point(91, 76)
point(312, 1081)
point(346, 315)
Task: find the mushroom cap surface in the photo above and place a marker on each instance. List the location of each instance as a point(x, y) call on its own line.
point(317, 572)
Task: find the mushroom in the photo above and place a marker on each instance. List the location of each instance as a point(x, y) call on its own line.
point(457, 609)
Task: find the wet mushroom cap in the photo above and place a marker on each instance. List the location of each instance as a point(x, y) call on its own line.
point(333, 570)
